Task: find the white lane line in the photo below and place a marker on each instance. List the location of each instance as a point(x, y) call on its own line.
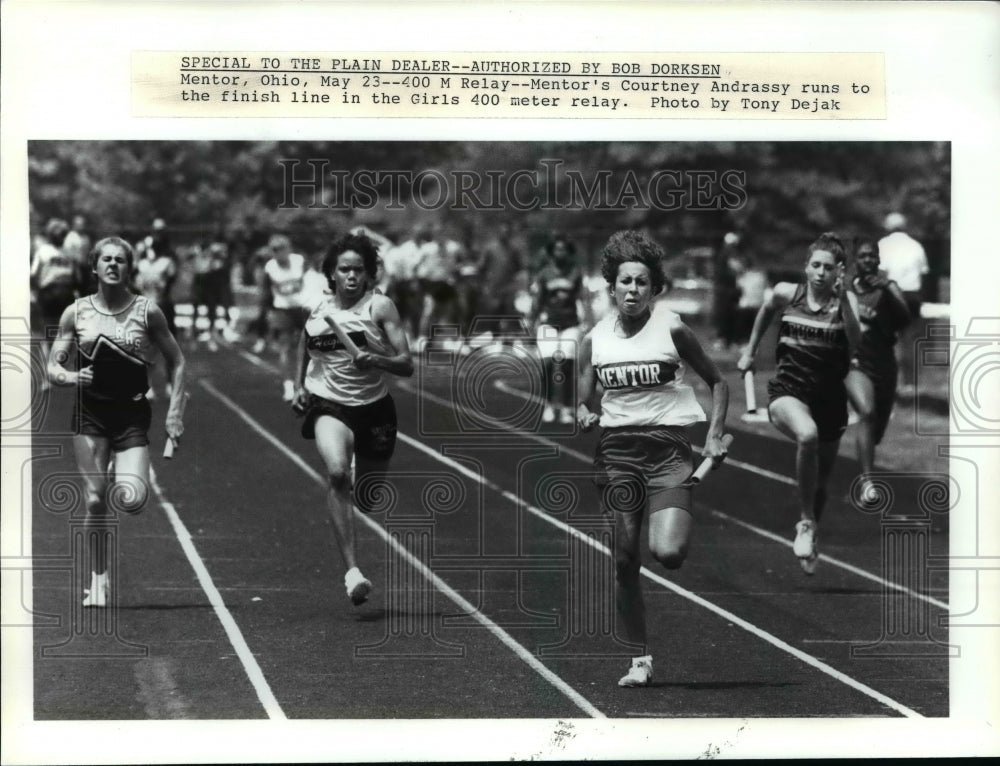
point(257, 361)
point(779, 477)
point(725, 516)
point(407, 386)
point(724, 613)
point(831, 560)
point(158, 691)
point(579, 700)
point(253, 671)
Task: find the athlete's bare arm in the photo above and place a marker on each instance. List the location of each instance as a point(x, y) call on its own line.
point(693, 354)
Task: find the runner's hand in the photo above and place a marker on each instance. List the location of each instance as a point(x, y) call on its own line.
point(745, 364)
point(85, 377)
point(364, 361)
point(715, 449)
point(175, 427)
point(585, 418)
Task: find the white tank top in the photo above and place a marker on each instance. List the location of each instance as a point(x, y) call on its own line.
point(642, 376)
point(331, 373)
point(287, 283)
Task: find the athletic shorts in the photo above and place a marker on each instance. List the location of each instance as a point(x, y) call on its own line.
point(123, 423)
point(441, 292)
point(555, 341)
point(827, 405)
point(640, 467)
point(208, 290)
point(52, 301)
point(884, 384)
point(373, 425)
point(287, 320)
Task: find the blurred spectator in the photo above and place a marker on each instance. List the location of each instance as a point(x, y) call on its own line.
point(905, 263)
point(725, 293)
point(54, 282)
point(753, 284)
point(77, 249)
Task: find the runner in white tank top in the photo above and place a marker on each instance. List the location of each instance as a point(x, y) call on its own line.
point(345, 400)
point(643, 463)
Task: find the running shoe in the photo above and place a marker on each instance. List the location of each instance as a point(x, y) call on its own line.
point(640, 674)
point(97, 595)
point(805, 547)
point(289, 394)
point(566, 417)
point(259, 346)
point(358, 586)
point(869, 494)
point(549, 414)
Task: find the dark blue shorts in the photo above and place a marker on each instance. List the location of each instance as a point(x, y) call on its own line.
point(373, 425)
point(123, 423)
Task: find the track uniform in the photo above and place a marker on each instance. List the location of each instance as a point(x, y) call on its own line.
point(358, 398)
point(876, 356)
point(813, 360)
point(644, 410)
point(55, 277)
point(153, 279)
point(558, 318)
point(119, 349)
point(287, 301)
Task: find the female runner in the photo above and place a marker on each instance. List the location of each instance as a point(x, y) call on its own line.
point(116, 333)
point(871, 382)
point(638, 353)
point(808, 401)
point(346, 402)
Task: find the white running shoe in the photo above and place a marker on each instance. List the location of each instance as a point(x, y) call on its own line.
point(640, 674)
point(97, 595)
point(259, 346)
point(289, 394)
point(566, 417)
point(358, 586)
point(869, 494)
point(549, 414)
point(805, 547)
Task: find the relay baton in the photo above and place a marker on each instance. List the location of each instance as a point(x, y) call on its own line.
point(343, 337)
point(706, 464)
point(172, 443)
point(750, 391)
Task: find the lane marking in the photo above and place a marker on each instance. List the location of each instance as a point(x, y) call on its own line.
point(253, 671)
point(683, 592)
point(574, 696)
point(831, 560)
point(725, 516)
point(691, 596)
point(779, 477)
point(158, 691)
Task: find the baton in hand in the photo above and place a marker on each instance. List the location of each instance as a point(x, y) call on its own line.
point(172, 443)
point(707, 463)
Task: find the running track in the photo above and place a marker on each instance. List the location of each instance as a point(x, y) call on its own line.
point(492, 577)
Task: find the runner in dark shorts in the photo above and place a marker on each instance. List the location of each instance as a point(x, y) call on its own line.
point(114, 336)
point(808, 402)
point(871, 383)
point(344, 396)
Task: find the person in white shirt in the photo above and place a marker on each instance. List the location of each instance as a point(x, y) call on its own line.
point(283, 300)
point(638, 353)
point(904, 261)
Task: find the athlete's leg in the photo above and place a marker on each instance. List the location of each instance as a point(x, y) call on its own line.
point(92, 456)
point(129, 490)
point(370, 483)
point(861, 393)
point(826, 453)
point(335, 443)
point(793, 418)
point(629, 603)
point(669, 533)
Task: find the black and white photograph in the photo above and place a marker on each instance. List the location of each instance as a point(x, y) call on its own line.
point(566, 438)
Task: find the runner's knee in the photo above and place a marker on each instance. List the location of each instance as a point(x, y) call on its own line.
point(128, 495)
point(670, 555)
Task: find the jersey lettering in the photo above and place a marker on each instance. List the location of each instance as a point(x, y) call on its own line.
point(329, 342)
point(636, 374)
